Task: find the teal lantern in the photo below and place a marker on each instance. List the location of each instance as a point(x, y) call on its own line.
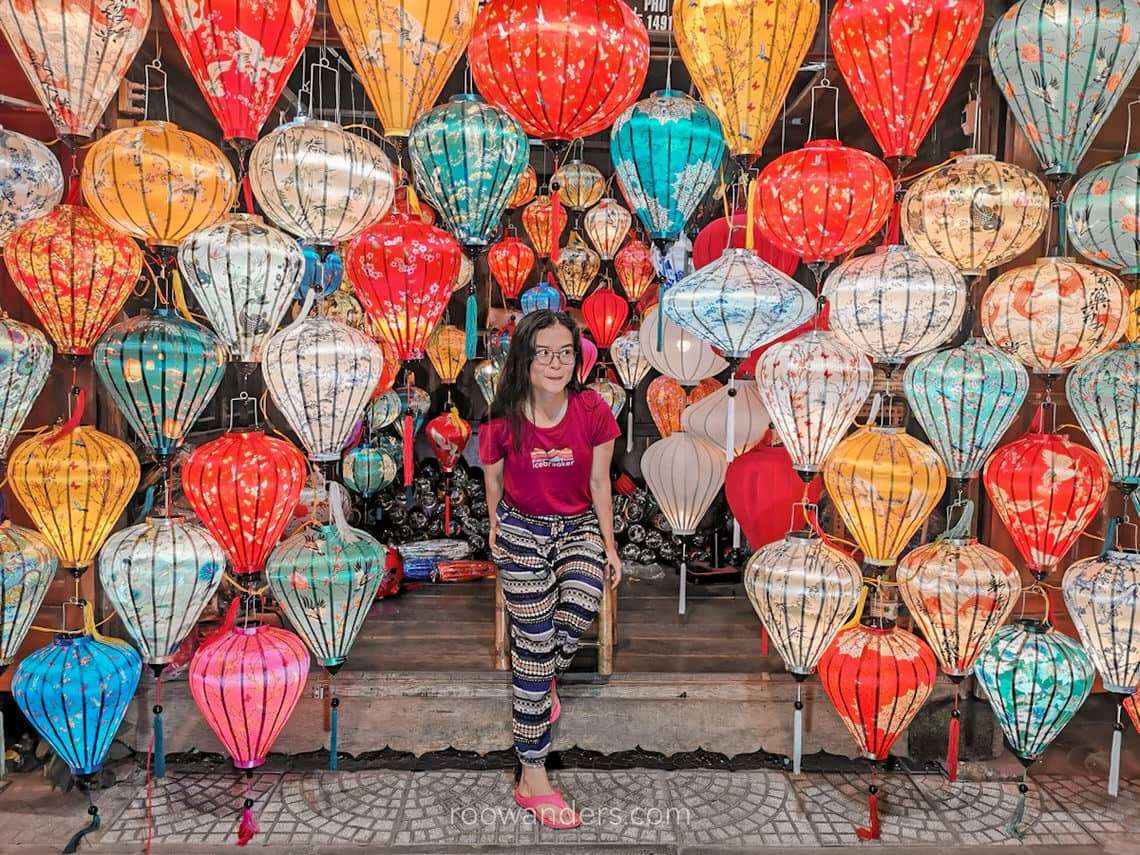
point(965, 398)
point(368, 469)
point(1103, 216)
point(27, 568)
point(385, 409)
point(1062, 66)
point(1104, 394)
point(25, 362)
point(160, 371)
point(541, 296)
point(666, 151)
point(416, 401)
point(467, 158)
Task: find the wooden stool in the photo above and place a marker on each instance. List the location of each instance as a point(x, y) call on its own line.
point(607, 630)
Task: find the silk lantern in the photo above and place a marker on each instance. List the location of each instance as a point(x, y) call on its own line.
point(588, 358)
point(1103, 216)
point(607, 224)
point(580, 185)
point(487, 375)
point(965, 398)
point(160, 371)
point(241, 57)
point(368, 469)
point(320, 182)
point(27, 568)
point(1061, 112)
point(157, 182)
point(666, 400)
point(417, 403)
point(1104, 394)
point(763, 492)
point(680, 354)
point(88, 473)
point(708, 419)
point(446, 354)
point(895, 303)
point(510, 262)
point(385, 409)
point(975, 212)
point(803, 591)
point(243, 273)
point(813, 387)
point(74, 272)
point(743, 57)
point(631, 366)
point(611, 393)
point(1132, 327)
point(605, 313)
point(716, 236)
point(541, 296)
point(544, 225)
point(31, 179)
point(390, 369)
point(1046, 489)
point(25, 362)
point(666, 151)
point(448, 434)
point(75, 54)
point(576, 268)
point(900, 61)
point(321, 374)
point(884, 483)
point(635, 271)
point(526, 188)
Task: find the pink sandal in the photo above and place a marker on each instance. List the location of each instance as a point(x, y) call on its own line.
point(534, 804)
point(555, 705)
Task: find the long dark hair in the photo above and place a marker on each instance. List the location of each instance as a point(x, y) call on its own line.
point(514, 384)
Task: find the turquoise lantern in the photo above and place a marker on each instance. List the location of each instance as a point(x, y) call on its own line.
point(27, 568)
point(160, 371)
point(965, 398)
point(541, 296)
point(1104, 394)
point(368, 469)
point(666, 151)
point(385, 409)
point(1103, 217)
point(25, 362)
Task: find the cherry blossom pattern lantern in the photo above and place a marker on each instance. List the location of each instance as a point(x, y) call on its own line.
point(580, 185)
point(525, 189)
point(895, 303)
point(32, 180)
point(803, 591)
point(1102, 216)
point(1054, 312)
point(605, 313)
point(635, 271)
point(510, 261)
point(544, 225)
point(576, 268)
point(367, 469)
point(607, 225)
point(975, 212)
point(676, 352)
point(27, 568)
point(1104, 394)
point(25, 362)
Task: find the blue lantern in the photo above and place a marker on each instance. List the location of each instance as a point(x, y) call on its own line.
point(1104, 393)
point(325, 276)
point(368, 469)
point(666, 151)
point(541, 296)
point(965, 398)
point(27, 568)
point(1103, 214)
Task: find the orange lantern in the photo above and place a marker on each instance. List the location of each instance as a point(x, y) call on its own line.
point(446, 352)
point(536, 218)
point(510, 262)
point(667, 400)
point(526, 188)
point(635, 270)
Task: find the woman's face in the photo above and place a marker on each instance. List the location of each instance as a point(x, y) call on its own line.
point(552, 364)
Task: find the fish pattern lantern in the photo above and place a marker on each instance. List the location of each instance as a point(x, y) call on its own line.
point(27, 568)
point(31, 181)
point(1104, 393)
point(25, 362)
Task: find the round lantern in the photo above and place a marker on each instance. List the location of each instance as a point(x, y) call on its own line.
point(1102, 216)
point(895, 303)
point(32, 180)
point(403, 75)
point(580, 67)
point(510, 261)
point(87, 473)
point(606, 225)
point(1061, 112)
point(543, 225)
point(320, 182)
point(368, 469)
point(75, 55)
point(541, 296)
point(243, 273)
point(447, 434)
point(884, 483)
point(635, 271)
point(25, 362)
point(676, 352)
point(577, 267)
point(965, 398)
point(160, 371)
point(765, 494)
point(1054, 312)
point(446, 353)
point(900, 62)
point(975, 212)
point(666, 151)
point(321, 375)
point(75, 273)
point(467, 157)
point(487, 373)
point(1104, 393)
point(605, 313)
point(27, 568)
point(157, 182)
point(244, 486)
point(823, 200)
point(813, 387)
point(708, 418)
point(1046, 489)
point(525, 189)
point(580, 185)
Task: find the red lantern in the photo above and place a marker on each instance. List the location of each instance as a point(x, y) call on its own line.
point(605, 313)
point(402, 270)
point(448, 434)
point(635, 270)
point(711, 242)
point(510, 262)
point(761, 487)
point(544, 225)
point(240, 54)
point(564, 70)
point(900, 59)
point(389, 369)
point(244, 486)
point(1046, 489)
point(402, 204)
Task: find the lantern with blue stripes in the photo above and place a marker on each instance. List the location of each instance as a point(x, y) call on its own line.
point(368, 469)
point(27, 568)
point(541, 296)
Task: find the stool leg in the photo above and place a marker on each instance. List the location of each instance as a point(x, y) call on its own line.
point(502, 658)
point(606, 632)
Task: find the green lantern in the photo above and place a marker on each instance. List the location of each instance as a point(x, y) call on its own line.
point(368, 469)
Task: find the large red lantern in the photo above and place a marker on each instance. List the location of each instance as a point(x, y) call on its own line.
point(762, 487)
point(900, 59)
point(510, 261)
point(635, 271)
point(711, 242)
point(402, 270)
point(605, 313)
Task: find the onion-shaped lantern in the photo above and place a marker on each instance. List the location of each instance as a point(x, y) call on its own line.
point(27, 568)
point(1053, 313)
point(446, 353)
point(541, 296)
point(1102, 216)
point(487, 373)
point(25, 362)
point(31, 178)
point(447, 434)
point(895, 303)
point(606, 225)
point(385, 409)
point(576, 268)
point(605, 313)
point(708, 418)
point(580, 185)
point(676, 352)
point(635, 271)
point(1104, 393)
point(526, 188)
point(368, 469)
point(417, 403)
point(510, 261)
point(543, 225)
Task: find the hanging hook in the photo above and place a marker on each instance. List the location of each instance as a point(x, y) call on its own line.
point(824, 84)
point(156, 68)
point(244, 398)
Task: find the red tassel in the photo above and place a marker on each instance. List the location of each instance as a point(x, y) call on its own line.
point(555, 216)
point(871, 832)
point(447, 514)
point(763, 640)
point(894, 226)
point(247, 827)
point(624, 485)
point(74, 419)
point(409, 458)
point(247, 192)
point(952, 747)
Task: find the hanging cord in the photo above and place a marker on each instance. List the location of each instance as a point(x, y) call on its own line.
point(1014, 827)
point(93, 812)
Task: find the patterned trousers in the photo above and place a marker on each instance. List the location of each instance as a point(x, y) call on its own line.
point(552, 570)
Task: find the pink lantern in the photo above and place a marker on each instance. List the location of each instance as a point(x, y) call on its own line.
point(589, 359)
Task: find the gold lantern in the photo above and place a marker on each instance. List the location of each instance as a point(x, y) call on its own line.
point(74, 484)
point(447, 352)
point(526, 188)
point(537, 220)
point(1132, 328)
point(580, 185)
point(157, 182)
point(607, 224)
point(577, 267)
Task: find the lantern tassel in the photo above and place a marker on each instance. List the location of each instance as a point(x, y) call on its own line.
point(629, 426)
point(247, 827)
point(471, 328)
point(735, 533)
point(952, 744)
point(684, 573)
point(763, 640)
point(73, 844)
point(660, 328)
point(1014, 828)
point(409, 427)
point(730, 426)
point(894, 225)
point(1114, 755)
point(159, 749)
point(797, 732)
point(336, 508)
point(871, 831)
point(447, 514)
point(555, 216)
point(334, 726)
point(76, 415)
point(247, 193)
point(413, 199)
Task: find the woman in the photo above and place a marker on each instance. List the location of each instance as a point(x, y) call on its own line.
point(546, 458)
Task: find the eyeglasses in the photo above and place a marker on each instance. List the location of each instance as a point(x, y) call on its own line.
point(545, 356)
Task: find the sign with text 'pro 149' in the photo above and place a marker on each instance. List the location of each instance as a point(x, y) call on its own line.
point(656, 14)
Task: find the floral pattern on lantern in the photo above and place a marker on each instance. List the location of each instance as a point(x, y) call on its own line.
point(1104, 394)
point(31, 181)
point(525, 189)
point(635, 271)
point(576, 268)
point(510, 261)
point(629, 362)
point(536, 220)
point(580, 185)
point(27, 569)
point(1102, 215)
point(541, 296)
point(446, 354)
point(25, 362)
point(368, 469)
point(682, 355)
point(607, 225)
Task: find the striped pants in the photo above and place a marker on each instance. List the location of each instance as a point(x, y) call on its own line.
point(552, 570)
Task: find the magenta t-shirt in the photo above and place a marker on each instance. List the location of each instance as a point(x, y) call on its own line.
point(550, 472)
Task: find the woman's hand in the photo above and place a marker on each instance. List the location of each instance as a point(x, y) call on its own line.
point(613, 568)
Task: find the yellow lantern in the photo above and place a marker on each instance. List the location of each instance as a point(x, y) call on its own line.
point(1132, 330)
point(157, 182)
point(580, 185)
point(526, 188)
point(74, 484)
point(743, 55)
point(447, 352)
point(577, 267)
point(884, 484)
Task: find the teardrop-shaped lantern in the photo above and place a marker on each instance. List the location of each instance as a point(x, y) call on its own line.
point(684, 473)
point(243, 273)
point(537, 218)
point(319, 182)
point(1104, 394)
point(525, 189)
point(75, 54)
point(884, 483)
point(417, 402)
point(32, 180)
point(605, 313)
point(368, 469)
point(965, 398)
point(160, 371)
point(75, 273)
point(385, 409)
point(27, 568)
point(74, 484)
point(708, 418)
point(629, 362)
point(611, 393)
point(1102, 217)
point(487, 373)
point(25, 362)
point(447, 435)
point(666, 151)
point(682, 355)
point(606, 225)
point(446, 353)
point(895, 303)
point(580, 185)
point(1035, 47)
point(321, 375)
point(666, 400)
point(576, 268)
point(635, 271)
point(975, 212)
point(510, 261)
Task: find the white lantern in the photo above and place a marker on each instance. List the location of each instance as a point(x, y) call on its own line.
point(31, 182)
point(25, 362)
point(606, 225)
point(682, 355)
point(632, 366)
point(27, 568)
point(708, 419)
